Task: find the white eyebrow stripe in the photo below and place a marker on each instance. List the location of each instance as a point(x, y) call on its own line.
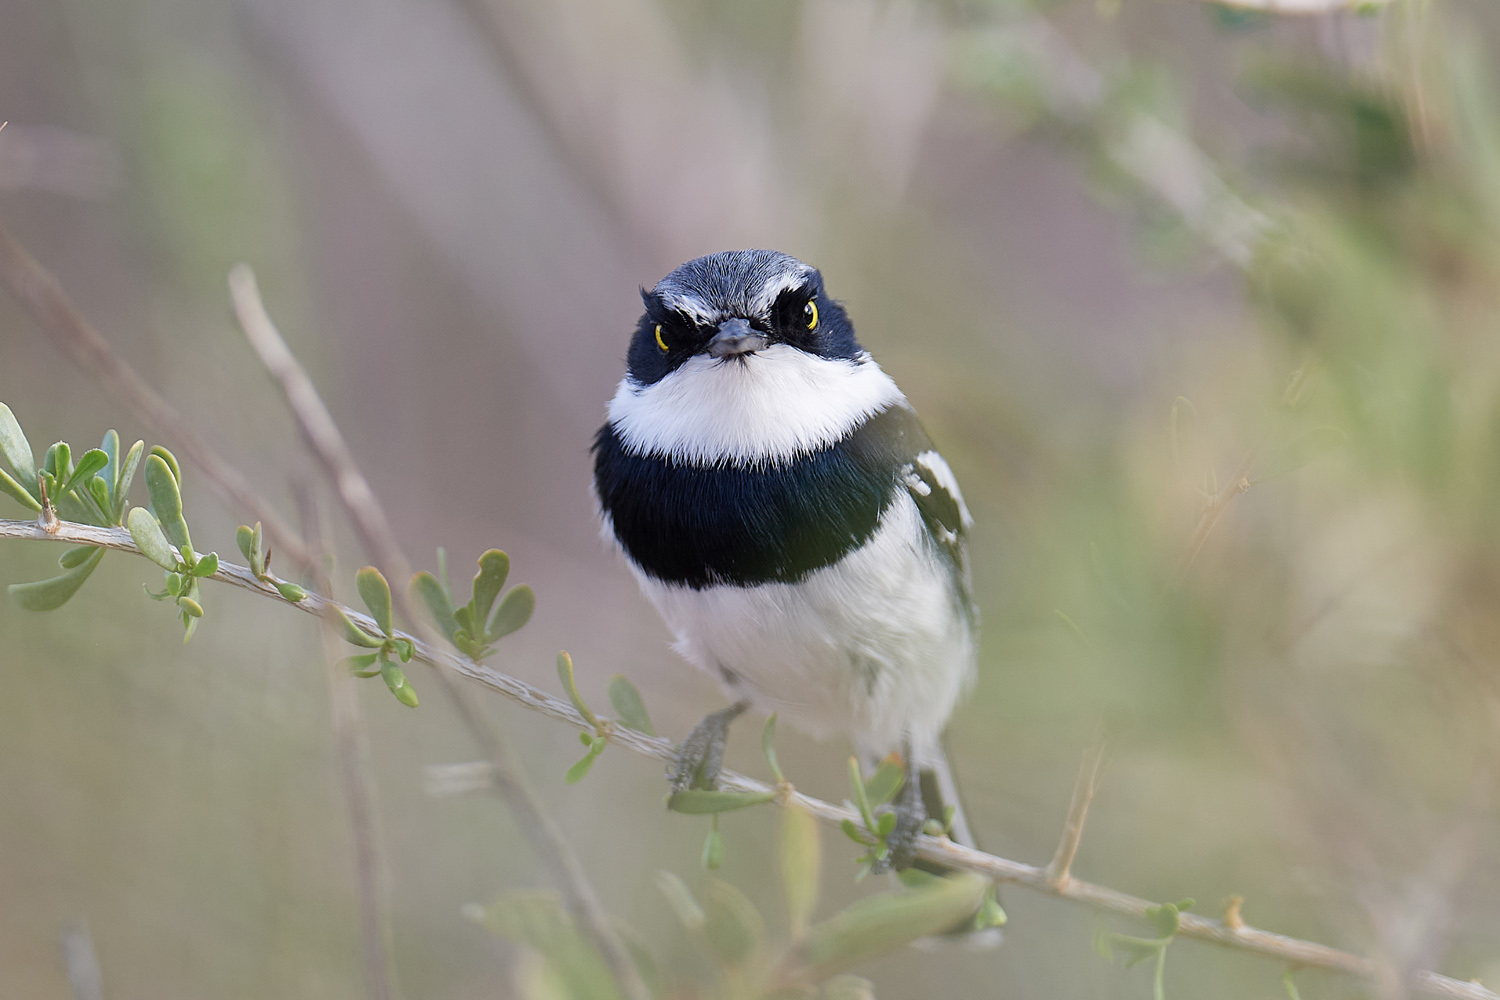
point(768, 408)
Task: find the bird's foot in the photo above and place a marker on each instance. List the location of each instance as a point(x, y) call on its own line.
point(911, 814)
point(701, 755)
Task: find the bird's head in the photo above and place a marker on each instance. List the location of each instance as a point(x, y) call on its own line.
point(729, 307)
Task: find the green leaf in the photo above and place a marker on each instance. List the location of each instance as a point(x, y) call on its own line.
point(111, 448)
point(190, 606)
point(353, 633)
point(514, 611)
point(244, 537)
point(680, 898)
point(49, 595)
point(92, 462)
point(171, 460)
point(149, 538)
point(260, 558)
point(565, 675)
point(990, 914)
point(494, 567)
point(734, 927)
point(376, 594)
point(360, 665)
point(399, 685)
point(291, 591)
point(801, 866)
point(404, 649)
point(886, 781)
point(206, 565)
point(578, 771)
point(703, 801)
point(59, 462)
point(768, 747)
point(18, 492)
point(166, 502)
point(16, 449)
point(857, 782)
point(628, 705)
point(713, 851)
point(884, 824)
point(99, 492)
point(121, 489)
point(77, 556)
point(877, 925)
point(430, 590)
point(852, 831)
point(174, 584)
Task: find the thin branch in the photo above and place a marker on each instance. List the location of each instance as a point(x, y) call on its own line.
point(374, 528)
point(42, 296)
point(1211, 515)
point(1089, 774)
point(939, 850)
point(353, 758)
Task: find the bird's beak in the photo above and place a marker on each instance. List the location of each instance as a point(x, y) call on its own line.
point(735, 339)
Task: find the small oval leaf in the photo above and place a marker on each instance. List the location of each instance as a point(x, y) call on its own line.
point(120, 491)
point(514, 611)
point(432, 594)
point(76, 557)
point(352, 632)
point(494, 567)
point(149, 538)
point(628, 705)
point(291, 592)
point(12, 488)
point(16, 449)
point(877, 925)
point(713, 852)
point(190, 606)
point(171, 460)
point(244, 537)
point(376, 594)
point(92, 462)
point(398, 684)
point(49, 595)
point(166, 501)
point(801, 866)
point(206, 565)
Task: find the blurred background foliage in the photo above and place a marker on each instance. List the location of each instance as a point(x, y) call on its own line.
point(1125, 257)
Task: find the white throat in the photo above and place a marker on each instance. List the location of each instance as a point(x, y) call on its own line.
point(767, 407)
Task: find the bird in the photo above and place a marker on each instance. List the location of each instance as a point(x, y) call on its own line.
point(782, 507)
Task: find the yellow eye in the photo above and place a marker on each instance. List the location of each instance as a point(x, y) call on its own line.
point(659, 342)
point(811, 309)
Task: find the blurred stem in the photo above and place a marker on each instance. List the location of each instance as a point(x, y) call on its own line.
point(353, 756)
point(379, 538)
point(938, 850)
point(1084, 788)
point(1211, 517)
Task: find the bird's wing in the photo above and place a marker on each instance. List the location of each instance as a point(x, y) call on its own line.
point(932, 486)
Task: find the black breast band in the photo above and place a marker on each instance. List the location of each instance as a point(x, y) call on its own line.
point(740, 524)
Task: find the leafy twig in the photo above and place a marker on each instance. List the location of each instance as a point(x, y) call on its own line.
point(939, 850)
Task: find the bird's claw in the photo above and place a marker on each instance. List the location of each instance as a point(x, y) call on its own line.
point(701, 755)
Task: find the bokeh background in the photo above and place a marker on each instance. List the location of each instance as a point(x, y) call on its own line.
point(1121, 255)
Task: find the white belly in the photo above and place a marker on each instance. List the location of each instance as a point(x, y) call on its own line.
point(874, 646)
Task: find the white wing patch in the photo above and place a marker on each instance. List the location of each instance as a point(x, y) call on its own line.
point(935, 464)
point(768, 407)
